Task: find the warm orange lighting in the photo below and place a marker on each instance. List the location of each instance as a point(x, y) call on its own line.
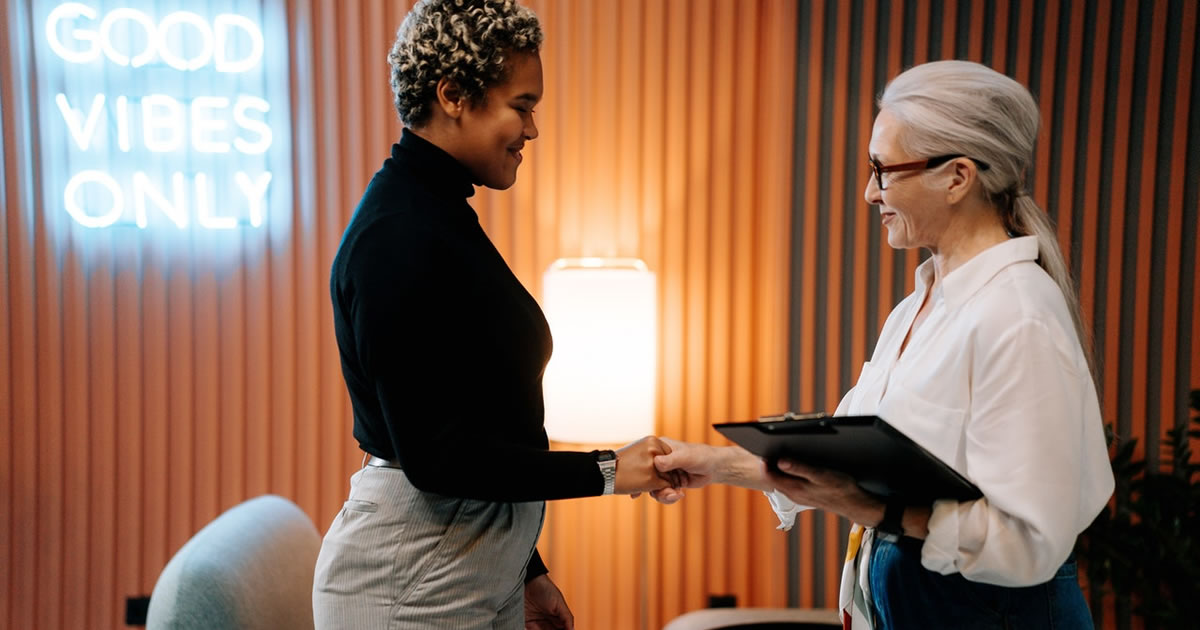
point(600, 383)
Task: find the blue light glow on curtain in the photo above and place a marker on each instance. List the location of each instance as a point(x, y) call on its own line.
point(163, 117)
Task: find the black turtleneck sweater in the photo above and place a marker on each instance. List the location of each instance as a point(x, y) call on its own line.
point(442, 349)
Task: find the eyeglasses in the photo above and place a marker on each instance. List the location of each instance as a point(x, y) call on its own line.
point(877, 169)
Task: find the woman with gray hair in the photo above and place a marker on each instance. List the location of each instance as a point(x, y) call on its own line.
point(443, 352)
point(986, 365)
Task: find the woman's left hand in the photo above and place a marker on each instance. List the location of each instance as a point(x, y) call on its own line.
point(545, 607)
point(826, 489)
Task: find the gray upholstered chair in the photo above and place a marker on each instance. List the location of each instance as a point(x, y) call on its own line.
point(756, 619)
point(251, 568)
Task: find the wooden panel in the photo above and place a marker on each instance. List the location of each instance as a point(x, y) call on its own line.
point(704, 218)
point(1173, 302)
point(17, 550)
point(144, 388)
point(153, 387)
point(6, 356)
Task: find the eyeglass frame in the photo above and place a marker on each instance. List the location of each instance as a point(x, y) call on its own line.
point(877, 169)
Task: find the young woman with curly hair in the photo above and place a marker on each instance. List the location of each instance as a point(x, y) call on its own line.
point(443, 352)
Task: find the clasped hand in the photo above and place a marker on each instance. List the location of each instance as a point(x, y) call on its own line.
point(635, 468)
point(695, 466)
point(698, 465)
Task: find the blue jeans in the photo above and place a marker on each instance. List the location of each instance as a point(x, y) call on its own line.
point(907, 595)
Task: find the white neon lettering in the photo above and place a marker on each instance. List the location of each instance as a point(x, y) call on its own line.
point(166, 123)
point(205, 213)
point(215, 39)
point(263, 143)
point(148, 194)
point(171, 120)
point(123, 123)
point(193, 135)
point(256, 193)
point(70, 11)
point(203, 124)
point(206, 37)
point(221, 25)
point(81, 132)
point(70, 199)
point(144, 189)
point(118, 57)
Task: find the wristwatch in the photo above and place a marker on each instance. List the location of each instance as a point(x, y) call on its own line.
point(607, 461)
point(892, 524)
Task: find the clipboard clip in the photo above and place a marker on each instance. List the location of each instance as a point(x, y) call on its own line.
point(790, 415)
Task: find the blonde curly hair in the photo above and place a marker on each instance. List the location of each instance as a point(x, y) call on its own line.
point(463, 40)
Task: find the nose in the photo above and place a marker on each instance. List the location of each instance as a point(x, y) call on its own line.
point(531, 130)
point(871, 192)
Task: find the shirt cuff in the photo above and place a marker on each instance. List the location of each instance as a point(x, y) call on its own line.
point(940, 551)
point(785, 509)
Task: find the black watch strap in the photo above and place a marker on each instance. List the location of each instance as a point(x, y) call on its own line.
point(893, 516)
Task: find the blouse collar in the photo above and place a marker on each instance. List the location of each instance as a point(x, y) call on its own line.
point(959, 285)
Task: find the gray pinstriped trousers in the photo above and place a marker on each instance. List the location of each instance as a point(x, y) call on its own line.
point(397, 558)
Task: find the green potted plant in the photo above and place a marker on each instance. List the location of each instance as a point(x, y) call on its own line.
point(1144, 549)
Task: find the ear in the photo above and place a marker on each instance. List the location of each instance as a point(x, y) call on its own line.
point(962, 178)
point(450, 98)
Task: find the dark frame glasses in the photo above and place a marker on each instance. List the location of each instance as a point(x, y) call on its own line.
point(877, 169)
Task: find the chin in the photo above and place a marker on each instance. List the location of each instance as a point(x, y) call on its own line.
point(501, 184)
point(504, 181)
point(898, 242)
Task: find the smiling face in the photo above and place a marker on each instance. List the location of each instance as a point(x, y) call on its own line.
point(496, 129)
point(914, 213)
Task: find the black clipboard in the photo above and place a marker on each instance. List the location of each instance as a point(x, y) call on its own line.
point(883, 461)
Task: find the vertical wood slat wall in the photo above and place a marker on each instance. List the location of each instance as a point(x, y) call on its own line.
point(142, 397)
point(144, 391)
point(1117, 167)
point(666, 135)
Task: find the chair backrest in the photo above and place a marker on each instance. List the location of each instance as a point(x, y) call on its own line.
point(757, 619)
point(251, 568)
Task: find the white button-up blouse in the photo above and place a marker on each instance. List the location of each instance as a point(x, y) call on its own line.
point(995, 383)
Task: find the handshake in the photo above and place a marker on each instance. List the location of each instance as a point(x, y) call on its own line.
point(663, 467)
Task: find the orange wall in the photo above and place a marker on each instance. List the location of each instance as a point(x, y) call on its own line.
point(144, 390)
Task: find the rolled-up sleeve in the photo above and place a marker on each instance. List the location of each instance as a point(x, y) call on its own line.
point(786, 509)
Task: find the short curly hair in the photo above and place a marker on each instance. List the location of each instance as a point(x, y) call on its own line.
point(463, 40)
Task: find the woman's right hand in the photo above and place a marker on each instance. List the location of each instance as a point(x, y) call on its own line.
point(635, 467)
point(697, 462)
point(698, 465)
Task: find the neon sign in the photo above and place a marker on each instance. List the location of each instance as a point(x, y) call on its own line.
point(164, 120)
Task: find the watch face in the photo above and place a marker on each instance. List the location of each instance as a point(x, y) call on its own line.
point(605, 456)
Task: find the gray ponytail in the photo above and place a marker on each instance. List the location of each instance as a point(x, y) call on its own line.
point(964, 108)
point(1029, 220)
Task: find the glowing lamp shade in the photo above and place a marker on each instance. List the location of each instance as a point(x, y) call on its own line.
point(600, 383)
